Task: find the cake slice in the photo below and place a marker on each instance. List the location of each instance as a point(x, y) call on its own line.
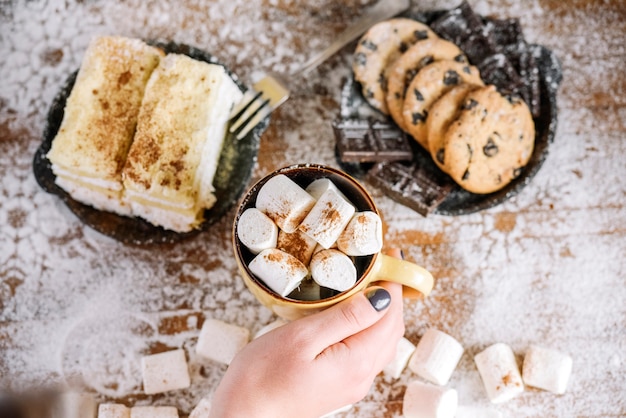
point(89, 150)
point(182, 124)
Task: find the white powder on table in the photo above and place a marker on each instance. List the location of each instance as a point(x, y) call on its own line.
point(80, 309)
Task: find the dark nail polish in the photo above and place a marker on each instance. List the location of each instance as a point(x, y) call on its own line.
point(379, 298)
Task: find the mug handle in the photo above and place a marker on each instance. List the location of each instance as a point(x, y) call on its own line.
point(404, 272)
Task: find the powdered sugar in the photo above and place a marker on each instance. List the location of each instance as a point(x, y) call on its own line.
point(79, 309)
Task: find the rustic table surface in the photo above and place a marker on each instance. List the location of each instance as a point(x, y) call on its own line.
point(547, 267)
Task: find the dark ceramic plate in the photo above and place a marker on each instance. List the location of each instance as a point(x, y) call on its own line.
point(460, 201)
point(233, 173)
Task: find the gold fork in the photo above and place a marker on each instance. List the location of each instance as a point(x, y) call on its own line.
point(272, 89)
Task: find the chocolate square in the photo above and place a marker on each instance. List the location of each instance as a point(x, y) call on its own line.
point(367, 140)
point(411, 185)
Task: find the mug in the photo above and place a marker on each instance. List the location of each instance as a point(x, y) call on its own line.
point(415, 279)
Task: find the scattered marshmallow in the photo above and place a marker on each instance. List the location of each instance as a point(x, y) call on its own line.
point(165, 371)
point(77, 405)
point(220, 341)
point(202, 410)
point(477, 412)
point(153, 412)
point(298, 244)
point(436, 356)
point(546, 369)
point(256, 230)
point(113, 410)
point(328, 218)
point(423, 400)
point(333, 269)
point(284, 202)
point(319, 186)
point(270, 327)
point(499, 371)
point(279, 270)
point(404, 350)
point(363, 235)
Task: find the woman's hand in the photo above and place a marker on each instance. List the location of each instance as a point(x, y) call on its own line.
point(317, 364)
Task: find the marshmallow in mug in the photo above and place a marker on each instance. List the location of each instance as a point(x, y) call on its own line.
point(281, 271)
point(333, 269)
point(328, 218)
point(284, 202)
point(318, 187)
point(363, 235)
point(257, 231)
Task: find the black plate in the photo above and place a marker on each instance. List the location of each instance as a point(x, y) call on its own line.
point(460, 201)
point(234, 170)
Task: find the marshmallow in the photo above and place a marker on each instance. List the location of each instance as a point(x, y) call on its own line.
point(404, 350)
point(256, 230)
point(363, 235)
point(546, 369)
point(298, 244)
point(280, 271)
point(333, 269)
point(153, 412)
point(284, 202)
point(76, 405)
point(436, 356)
point(202, 410)
point(165, 371)
point(113, 410)
point(270, 327)
point(328, 218)
point(318, 187)
point(308, 289)
point(423, 400)
point(220, 341)
point(499, 371)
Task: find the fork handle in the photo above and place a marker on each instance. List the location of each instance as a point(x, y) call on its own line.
point(384, 9)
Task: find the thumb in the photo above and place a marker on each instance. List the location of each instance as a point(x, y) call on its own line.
point(348, 317)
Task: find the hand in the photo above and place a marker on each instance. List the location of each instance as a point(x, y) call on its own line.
point(317, 364)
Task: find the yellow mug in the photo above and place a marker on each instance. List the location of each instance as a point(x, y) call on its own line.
point(369, 268)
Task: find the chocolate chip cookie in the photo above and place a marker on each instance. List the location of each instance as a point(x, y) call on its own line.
point(490, 142)
point(442, 113)
point(382, 44)
point(403, 70)
point(430, 83)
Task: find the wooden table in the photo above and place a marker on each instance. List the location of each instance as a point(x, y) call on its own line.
point(78, 309)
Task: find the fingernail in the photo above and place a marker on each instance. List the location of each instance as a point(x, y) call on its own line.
point(378, 297)
point(402, 254)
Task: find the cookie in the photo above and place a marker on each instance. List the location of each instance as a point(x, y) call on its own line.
point(401, 71)
point(442, 113)
point(490, 142)
point(382, 44)
point(427, 86)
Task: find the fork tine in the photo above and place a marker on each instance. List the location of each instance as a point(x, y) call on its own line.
point(244, 126)
point(239, 110)
point(246, 116)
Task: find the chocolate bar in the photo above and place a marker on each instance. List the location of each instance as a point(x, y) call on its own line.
point(362, 141)
point(499, 71)
point(506, 33)
point(411, 185)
